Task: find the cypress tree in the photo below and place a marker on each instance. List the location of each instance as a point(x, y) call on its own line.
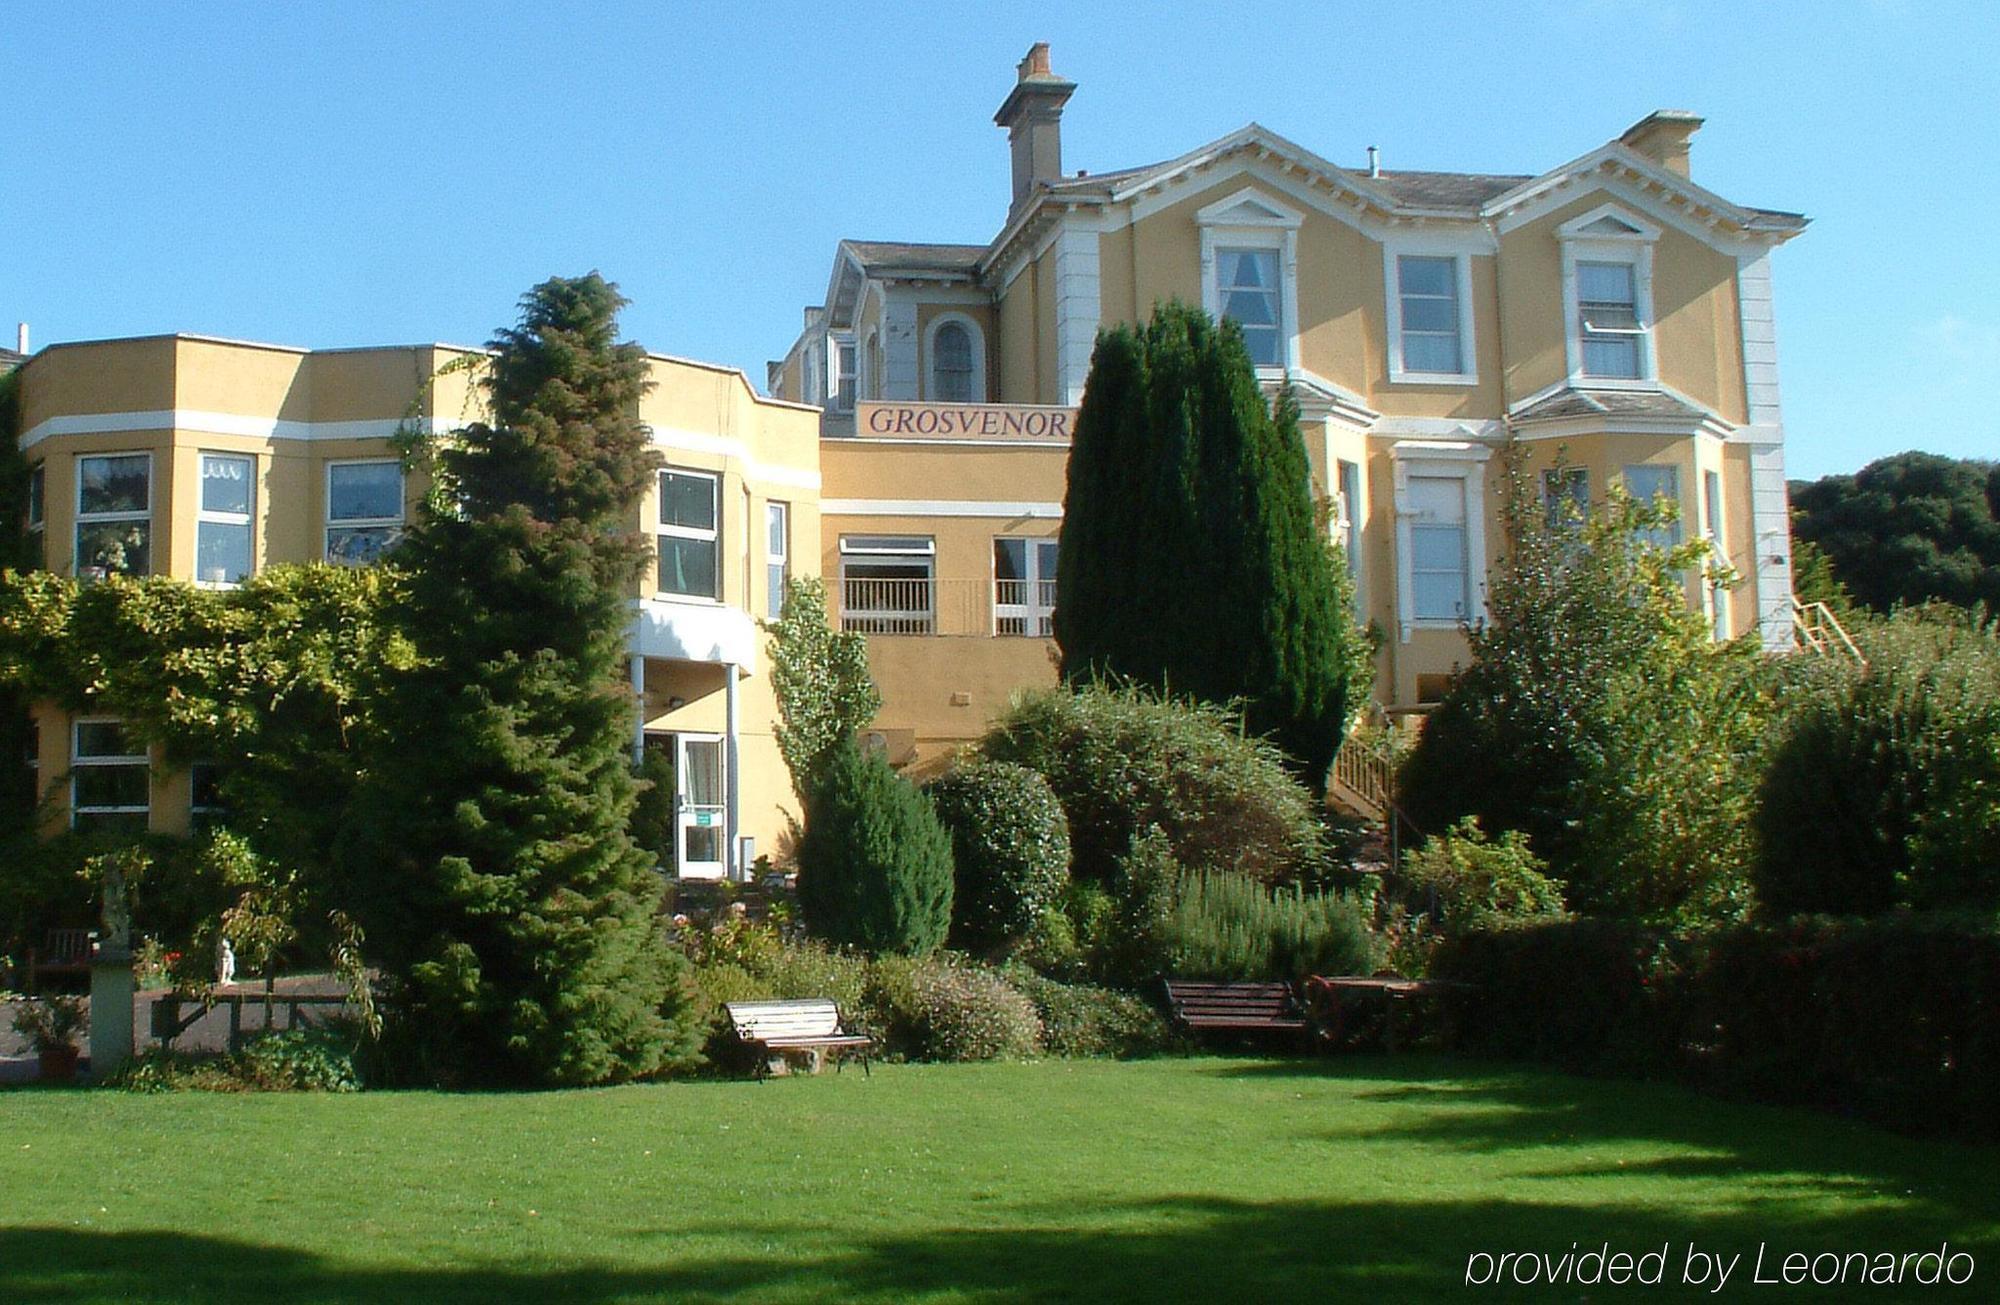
point(504, 892)
point(1194, 501)
point(875, 868)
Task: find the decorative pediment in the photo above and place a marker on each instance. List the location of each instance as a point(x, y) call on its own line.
point(1609, 222)
point(1249, 207)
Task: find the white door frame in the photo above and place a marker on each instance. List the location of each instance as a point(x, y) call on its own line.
point(710, 817)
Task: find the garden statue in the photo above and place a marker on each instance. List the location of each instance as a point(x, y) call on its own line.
point(225, 963)
point(116, 913)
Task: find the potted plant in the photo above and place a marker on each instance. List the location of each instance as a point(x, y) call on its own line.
point(50, 1028)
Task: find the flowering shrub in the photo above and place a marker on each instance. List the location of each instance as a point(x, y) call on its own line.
point(935, 1010)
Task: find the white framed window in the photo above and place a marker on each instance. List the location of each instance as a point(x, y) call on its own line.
point(844, 373)
point(110, 781)
point(1440, 533)
point(1608, 298)
point(1711, 509)
point(1566, 495)
point(1250, 272)
point(777, 556)
point(956, 349)
point(870, 386)
point(364, 510)
point(114, 514)
point(1649, 483)
point(888, 583)
point(1440, 576)
point(690, 533)
point(1430, 334)
point(38, 492)
point(1347, 522)
point(222, 534)
point(1024, 587)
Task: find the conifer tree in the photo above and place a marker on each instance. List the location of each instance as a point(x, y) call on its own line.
point(875, 868)
point(503, 890)
point(1190, 498)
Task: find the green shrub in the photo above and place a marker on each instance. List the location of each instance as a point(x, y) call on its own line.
point(1883, 788)
point(938, 1010)
point(1085, 1020)
point(1223, 926)
point(1009, 851)
point(874, 863)
point(1464, 880)
point(1120, 760)
point(317, 1059)
point(654, 823)
point(1894, 1019)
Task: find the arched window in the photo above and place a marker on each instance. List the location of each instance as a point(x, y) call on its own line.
point(951, 364)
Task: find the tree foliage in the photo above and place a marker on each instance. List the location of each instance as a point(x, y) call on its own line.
point(1912, 528)
point(1598, 717)
point(1192, 558)
point(1883, 788)
point(875, 867)
point(820, 677)
point(491, 853)
point(1009, 850)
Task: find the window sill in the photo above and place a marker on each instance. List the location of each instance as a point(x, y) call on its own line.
point(1644, 384)
point(1431, 378)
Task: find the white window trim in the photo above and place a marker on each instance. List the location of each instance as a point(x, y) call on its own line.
point(1635, 250)
point(834, 341)
point(1033, 613)
point(1441, 458)
point(1468, 356)
point(911, 548)
point(80, 518)
point(77, 761)
point(1251, 219)
point(662, 529)
point(977, 339)
point(781, 559)
point(329, 524)
point(204, 516)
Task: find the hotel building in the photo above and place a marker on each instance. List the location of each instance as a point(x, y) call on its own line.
point(1609, 309)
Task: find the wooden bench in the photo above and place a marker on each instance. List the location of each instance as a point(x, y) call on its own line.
point(1235, 1007)
point(67, 952)
point(1331, 997)
point(812, 1025)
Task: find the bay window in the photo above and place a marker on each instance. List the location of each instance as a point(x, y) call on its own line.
point(114, 514)
point(690, 534)
point(364, 510)
point(222, 536)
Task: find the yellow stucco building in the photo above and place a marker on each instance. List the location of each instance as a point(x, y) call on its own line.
point(208, 460)
point(1610, 308)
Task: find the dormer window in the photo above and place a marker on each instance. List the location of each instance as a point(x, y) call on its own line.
point(1250, 274)
point(1608, 298)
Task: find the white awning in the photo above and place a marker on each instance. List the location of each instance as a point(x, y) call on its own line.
point(695, 632)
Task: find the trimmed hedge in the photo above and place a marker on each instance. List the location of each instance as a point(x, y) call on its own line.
point(1009, 852)
point(1894, 1020)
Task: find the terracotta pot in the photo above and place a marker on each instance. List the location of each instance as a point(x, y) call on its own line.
point(58, 1064)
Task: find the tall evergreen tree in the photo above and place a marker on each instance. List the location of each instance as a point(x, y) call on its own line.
point(1191, 555)
point(505, 892)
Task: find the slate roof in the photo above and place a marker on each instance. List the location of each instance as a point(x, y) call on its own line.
point(9, 360)
point(1465, 190)
point(894, 256)
point(1598, 403)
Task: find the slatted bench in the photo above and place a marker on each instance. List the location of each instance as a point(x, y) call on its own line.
point(1235, 1007)
point(67, 952)
point(813, 1024)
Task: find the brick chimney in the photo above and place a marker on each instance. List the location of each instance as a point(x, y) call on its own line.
point(1032, 115)
point(1664, 136)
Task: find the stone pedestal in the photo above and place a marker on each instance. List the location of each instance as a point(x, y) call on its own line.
point(111, 992)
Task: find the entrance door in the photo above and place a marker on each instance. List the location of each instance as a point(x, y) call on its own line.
point(699, 811)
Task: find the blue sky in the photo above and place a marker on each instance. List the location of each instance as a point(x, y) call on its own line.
point(347, 174)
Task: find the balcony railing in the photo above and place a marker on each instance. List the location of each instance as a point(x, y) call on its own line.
point(952, 607)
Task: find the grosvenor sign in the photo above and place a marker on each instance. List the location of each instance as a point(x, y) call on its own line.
point(1019, 422)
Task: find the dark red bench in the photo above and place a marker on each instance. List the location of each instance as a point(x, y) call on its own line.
point(1199, 1007)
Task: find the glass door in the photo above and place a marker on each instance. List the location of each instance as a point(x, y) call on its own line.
point(702, 836)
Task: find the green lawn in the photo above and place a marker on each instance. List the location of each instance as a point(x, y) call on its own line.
point(1202, 1179)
